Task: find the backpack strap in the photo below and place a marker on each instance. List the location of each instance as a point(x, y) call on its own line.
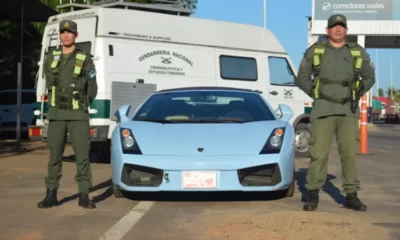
point(318, 54)
point(356, 85)
point(55, 68)
point(77, 95)
point(79, 62)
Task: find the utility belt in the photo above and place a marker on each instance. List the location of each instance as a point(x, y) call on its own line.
point(355, 88)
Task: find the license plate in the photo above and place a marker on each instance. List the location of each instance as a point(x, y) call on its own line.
point(199, 179)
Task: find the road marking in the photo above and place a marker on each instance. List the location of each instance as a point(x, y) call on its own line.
point(118, 231)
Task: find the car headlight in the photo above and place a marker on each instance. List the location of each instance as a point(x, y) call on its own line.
point(128, 142)
point(274, 142)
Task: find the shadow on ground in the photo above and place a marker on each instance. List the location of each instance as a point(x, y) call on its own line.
point(11, 148)
point(202, 196)
point(107, 185)
point(329, 187)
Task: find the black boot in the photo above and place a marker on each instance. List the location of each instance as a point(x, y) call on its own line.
point(85, 202)
point(50, 200)
point(312, 200)
point(353, 202)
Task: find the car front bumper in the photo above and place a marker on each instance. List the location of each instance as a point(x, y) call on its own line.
point(269, 172)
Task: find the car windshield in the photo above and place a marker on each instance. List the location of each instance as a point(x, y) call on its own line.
point(204, 107)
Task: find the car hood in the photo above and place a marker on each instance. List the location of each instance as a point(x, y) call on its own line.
point(212, 139)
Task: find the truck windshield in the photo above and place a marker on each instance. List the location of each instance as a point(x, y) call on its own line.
point(204, 107)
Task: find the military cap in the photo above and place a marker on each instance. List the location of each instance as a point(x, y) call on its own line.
point(337, 19)
point(68, 25)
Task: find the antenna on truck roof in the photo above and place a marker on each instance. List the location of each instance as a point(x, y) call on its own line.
point(173, 7)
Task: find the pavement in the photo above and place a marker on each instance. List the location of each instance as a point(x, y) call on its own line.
point(201, 216)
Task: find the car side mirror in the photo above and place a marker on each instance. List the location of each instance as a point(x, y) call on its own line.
point(122, 113)
point(286, 112)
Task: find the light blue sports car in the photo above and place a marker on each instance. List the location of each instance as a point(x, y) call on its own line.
point(203, 139)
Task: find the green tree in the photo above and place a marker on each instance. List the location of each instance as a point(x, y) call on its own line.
point(191, 4)
point(9, 56)
point(9, 42)
point(390, 91)
point(381, 92)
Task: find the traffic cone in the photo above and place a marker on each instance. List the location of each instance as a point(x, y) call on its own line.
point(364, 126)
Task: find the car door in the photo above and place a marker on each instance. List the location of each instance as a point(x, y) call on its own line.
point(9, 106)
point(282, 89)
point(28, 106)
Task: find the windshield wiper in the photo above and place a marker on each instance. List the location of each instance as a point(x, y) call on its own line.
point(218, 120)
point(233, 120)
point(152, 120)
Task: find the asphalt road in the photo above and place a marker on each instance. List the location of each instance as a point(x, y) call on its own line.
point(201, 216)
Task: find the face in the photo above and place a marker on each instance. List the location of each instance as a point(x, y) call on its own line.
point(337, 33)
point(68, 38)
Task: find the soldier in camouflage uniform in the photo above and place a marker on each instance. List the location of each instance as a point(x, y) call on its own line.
point(336, 67)
point(71, 82)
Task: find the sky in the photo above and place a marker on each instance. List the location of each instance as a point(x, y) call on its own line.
point(290, 26)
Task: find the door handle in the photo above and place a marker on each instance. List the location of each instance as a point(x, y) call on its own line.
point(274, 93)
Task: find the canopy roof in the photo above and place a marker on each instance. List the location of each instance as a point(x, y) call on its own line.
point(34, 11)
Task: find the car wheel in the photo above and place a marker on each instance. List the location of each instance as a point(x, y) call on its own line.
point(302, 140)
point(117, 193)
point(290, 191)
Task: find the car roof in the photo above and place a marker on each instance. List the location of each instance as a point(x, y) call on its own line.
point(209, 88)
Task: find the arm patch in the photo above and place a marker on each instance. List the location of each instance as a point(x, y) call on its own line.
point(92, 73)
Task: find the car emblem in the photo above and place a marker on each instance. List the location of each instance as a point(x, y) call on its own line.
point(200, 149)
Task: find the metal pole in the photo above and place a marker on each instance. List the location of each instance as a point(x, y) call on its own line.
point(377, 73)
point(265, 13)
point(19, 81)
point(391, 77)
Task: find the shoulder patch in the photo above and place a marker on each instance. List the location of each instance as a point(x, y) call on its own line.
point(309, 50)
point(303, 62)
point(92, 73)
point(372, 65)
point(306, 51)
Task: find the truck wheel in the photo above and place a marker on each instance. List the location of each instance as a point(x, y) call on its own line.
point(117, 193)
point(101, 151)
point(302, 139)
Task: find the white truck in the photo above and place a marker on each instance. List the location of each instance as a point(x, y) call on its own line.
point(138, 52)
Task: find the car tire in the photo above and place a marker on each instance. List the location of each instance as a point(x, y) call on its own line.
point(290, 191)
point(117, 193)
point(302, 137)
